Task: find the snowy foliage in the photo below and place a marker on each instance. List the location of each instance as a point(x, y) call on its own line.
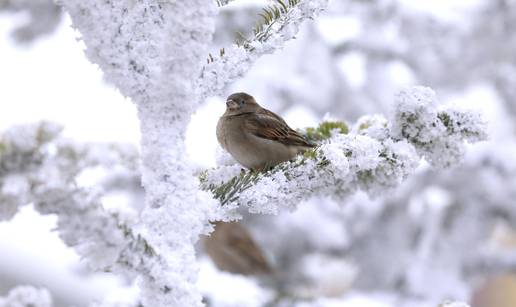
point(153, 51)
point(235, 61)
point(375, 156)
point(24, 296)
point(437, 135)
point(438, 214)
point(39, 168)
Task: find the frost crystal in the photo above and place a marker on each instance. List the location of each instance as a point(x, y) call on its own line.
point(437, 134)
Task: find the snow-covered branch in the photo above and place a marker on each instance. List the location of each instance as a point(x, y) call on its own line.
point(281, 24)
point(153, 52)
point(38, 167)
point(376, 155)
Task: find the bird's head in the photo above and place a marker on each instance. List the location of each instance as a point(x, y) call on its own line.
point(239, 103)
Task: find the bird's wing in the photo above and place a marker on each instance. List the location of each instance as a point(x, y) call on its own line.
point(267, 125)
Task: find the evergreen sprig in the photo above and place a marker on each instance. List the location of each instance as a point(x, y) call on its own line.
point(324, 130)
point(269, 16)
point(211, 59)
point(228, 191)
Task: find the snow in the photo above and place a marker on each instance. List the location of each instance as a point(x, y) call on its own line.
point(151, 52)
point(22, 296)
point(434, 135)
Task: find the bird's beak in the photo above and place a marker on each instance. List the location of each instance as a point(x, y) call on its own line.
point(232, 105)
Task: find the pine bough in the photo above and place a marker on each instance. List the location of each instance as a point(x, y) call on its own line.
point(374, 156)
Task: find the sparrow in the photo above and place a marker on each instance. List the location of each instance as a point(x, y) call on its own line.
point(256, 137)
point(232, 248)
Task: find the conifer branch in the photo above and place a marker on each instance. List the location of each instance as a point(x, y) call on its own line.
point(376, 155)
point(279, 23)
point(39, 167)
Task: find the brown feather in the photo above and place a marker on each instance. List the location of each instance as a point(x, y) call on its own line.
point(256, 137)
point(268, 125)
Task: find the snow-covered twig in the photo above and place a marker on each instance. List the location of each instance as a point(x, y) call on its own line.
point(279, 28)
point(375, 156)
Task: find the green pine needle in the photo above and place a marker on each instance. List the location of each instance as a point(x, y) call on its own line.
point(323, 131)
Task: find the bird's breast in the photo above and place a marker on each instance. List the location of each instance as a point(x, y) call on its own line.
point(249, 150)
